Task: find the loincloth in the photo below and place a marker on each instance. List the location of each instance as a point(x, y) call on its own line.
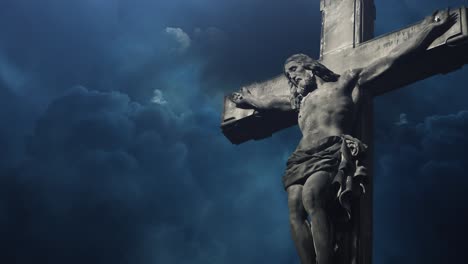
point(341, 156)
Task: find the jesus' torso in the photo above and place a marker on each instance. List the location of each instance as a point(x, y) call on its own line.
point(329, 110)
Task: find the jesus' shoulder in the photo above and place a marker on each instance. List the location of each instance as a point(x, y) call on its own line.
point(349, 83)
point(354, 80)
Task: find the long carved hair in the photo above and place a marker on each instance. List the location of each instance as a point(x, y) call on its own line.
point(316, 67)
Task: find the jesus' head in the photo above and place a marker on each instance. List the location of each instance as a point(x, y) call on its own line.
point(302, 71)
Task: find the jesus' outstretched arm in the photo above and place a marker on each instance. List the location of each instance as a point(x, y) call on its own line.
point(245, 99)
point(434, 26)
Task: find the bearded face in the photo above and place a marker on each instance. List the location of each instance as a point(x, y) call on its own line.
point(302, 72)
point(301, 75)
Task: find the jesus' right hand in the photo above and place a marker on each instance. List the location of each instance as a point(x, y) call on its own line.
point(242, 99)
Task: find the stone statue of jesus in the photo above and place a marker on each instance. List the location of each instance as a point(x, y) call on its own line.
point(326, 171)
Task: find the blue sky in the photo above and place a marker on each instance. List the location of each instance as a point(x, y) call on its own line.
point(111, 150)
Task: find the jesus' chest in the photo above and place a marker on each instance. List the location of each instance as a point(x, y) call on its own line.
point(328, 103)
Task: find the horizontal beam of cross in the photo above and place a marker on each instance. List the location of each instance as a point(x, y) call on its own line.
point(446, 54)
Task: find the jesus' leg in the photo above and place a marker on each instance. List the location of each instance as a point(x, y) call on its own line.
point(314, 198)
point(300, 229)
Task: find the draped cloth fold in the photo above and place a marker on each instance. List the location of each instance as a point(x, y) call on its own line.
point(341, 156)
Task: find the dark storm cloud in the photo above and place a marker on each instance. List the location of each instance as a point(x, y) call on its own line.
point(420, 190)
point(107, 180)
point(122, 43)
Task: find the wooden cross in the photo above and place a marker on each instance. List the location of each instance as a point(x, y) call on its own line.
point(347, 42)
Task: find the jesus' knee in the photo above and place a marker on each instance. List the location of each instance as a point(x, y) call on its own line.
point(315, 190)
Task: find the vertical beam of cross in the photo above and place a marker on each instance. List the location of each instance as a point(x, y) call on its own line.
point(345, 24)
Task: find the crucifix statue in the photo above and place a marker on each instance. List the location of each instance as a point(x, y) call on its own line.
point(327, 178)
